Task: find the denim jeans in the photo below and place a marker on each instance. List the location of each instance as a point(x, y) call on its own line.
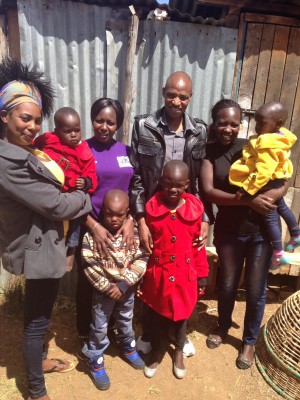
point(103, 309)
point(73, 237)
point(233, 250)
point(273, 224)
point(40, 295)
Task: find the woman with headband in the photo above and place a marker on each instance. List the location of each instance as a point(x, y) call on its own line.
point(33, 209)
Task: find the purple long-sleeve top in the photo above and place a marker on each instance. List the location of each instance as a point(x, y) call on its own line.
point(113, 170)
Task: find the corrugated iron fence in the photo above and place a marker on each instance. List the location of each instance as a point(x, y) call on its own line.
point(83, 49)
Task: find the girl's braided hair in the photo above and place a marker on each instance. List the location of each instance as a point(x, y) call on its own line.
point(14, 70)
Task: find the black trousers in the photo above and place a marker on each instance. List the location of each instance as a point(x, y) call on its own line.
point(40, 295)
point(159, 327)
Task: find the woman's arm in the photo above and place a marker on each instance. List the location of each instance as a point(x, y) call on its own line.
point(102, 238)
point(127, 232)
point(28, 183)
point(261, 203)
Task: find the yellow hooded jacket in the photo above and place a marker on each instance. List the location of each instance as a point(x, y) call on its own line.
point(265, 157)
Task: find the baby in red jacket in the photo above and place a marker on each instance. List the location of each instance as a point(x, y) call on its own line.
point(75, 158)
point(175, 267)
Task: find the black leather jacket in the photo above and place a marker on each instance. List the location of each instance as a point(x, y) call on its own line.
point(148, 150)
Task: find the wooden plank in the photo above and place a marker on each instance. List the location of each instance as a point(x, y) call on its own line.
point(13, 34)
point(249, 66)
point(295, 128)
point(3, 38)
point(271, 19)
point(239, 58)
point(291, 73)
point(263, 66)
point(277, 63)
point(256, 6)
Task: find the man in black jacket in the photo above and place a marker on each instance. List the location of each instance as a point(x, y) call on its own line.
point(167, 134)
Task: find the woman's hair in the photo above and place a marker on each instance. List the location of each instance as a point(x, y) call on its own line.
point(14, 70)
point(105, 102)
point(224, 103)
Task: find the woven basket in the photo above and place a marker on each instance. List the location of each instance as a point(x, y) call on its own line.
point(278, 349)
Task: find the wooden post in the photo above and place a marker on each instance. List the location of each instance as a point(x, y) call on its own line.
point(3, 38)
point(13, 34)
point(128, 90)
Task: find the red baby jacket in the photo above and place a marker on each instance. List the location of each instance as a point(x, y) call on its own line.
point(75, 162)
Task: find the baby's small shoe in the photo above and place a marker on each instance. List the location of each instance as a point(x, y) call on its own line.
point(279, 261)
point(142, 346)
point(292, 244)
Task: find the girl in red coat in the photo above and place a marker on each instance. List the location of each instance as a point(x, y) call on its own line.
point(169, 287)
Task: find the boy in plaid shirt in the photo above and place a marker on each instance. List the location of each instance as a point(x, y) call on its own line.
point(114, 280)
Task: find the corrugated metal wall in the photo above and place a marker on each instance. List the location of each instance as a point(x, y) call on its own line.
point(70, 42)
point(82, 48)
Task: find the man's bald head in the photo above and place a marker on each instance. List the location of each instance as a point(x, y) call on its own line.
point(181, 79)
point(177, 94)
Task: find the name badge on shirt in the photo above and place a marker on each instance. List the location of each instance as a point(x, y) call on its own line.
point(124, 162)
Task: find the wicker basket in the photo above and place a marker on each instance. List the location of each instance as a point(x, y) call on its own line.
point(278, 349)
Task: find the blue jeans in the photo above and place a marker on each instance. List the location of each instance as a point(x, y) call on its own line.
point(73, 233)
point(40, 295)
point(103, 308)
point(273, 224)
point(233, 250)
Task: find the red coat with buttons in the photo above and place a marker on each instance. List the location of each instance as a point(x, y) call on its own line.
point(170, 283)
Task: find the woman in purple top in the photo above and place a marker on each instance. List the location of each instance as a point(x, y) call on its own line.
point(114, 171)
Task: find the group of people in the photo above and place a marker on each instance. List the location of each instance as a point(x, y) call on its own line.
point(136, 219)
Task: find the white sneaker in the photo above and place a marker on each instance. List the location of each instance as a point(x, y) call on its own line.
point(188, 348)
point(143, 347)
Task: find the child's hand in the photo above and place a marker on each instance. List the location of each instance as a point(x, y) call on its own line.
point(114, 292)
point(201, 291)
point(239, 194)
point(80, 184)
point(139, 292)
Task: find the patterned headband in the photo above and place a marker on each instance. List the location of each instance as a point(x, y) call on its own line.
point(17, 92)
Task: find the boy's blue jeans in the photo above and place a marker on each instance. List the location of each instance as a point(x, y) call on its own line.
point(233, 250)
point(273, 224)
point(103, 308)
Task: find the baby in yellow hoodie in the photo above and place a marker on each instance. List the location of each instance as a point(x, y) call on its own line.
point(265, 164)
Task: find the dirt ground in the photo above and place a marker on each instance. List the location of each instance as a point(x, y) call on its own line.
point(212, 374)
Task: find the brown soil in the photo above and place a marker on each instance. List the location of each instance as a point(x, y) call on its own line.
point(212, 374)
